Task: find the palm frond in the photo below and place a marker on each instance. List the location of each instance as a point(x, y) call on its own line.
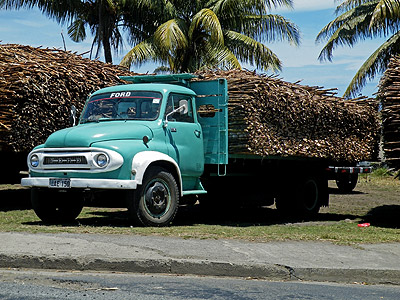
point(250, 51)
point(346, 35)
point(352, 18)
point(347, 29)
point(76, 30)
point(206, 20)
point(169, 35)
point(226, 58)
point(162, 70)
point(271, 28)
point(195, 36)
point(375, 64)
point(350, 4)
point(219, 56)
point(139, 54)
point(256, 5)
point(62, 11)
point(385, 11)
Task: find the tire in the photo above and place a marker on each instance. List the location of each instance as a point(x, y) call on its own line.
point(310, 200)
point(56, 206)
point(156, 201)
point(305, 199)
point(346, 182)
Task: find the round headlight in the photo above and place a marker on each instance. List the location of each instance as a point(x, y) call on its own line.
point(34, 160)
point(101, 160)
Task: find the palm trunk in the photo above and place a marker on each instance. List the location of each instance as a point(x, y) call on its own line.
point(104, 36)
point(107, 49)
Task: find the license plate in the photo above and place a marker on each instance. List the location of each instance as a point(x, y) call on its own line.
point(61, 183)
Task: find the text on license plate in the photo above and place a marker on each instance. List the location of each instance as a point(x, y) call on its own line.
point(62, 183)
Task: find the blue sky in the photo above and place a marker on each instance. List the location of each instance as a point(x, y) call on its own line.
point(30, 27)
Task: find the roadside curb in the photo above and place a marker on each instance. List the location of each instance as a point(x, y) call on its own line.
point(204, 268)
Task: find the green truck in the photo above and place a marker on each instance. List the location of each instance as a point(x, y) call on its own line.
point(147, 143)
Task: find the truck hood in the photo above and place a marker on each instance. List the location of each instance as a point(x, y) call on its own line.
point(85, 135)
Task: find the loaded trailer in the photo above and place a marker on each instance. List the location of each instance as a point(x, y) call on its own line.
point(161, 141)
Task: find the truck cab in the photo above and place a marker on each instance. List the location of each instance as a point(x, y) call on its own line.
point(144, 138)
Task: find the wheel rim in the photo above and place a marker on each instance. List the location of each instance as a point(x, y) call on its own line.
point(157, 198)
point(310, 195)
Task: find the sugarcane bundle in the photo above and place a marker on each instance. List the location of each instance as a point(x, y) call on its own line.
point(389, 97)
point(38, 87)
point(268, 116)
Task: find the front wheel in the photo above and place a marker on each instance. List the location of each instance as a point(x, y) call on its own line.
point(156, 202)
point(56, 206)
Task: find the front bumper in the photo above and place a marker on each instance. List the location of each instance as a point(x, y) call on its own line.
point(83, 183)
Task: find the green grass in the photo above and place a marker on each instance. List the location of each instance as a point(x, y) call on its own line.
point(341, 232)
point(376, 200)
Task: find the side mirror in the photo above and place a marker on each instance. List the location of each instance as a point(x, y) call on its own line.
point(184, 106)
point(72, 116)
point(183, 109)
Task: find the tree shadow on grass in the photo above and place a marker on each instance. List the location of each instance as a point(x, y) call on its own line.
point(387, 216)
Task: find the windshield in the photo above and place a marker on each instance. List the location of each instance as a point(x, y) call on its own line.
point(128, 105)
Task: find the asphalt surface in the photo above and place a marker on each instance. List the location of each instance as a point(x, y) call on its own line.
point(308, 261)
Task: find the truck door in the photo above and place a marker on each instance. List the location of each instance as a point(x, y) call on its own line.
point(184, 136)
point(213, 94)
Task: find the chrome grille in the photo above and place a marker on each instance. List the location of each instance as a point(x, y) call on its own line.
point(65, 160)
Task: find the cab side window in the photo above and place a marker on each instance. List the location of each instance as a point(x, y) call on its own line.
point(175, 101)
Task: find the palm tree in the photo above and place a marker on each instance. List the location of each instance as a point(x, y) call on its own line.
point(103, 17)
point(358, 20)
point(215, 33)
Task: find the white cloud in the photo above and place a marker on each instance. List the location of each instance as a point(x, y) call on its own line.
point(29, 23)
point(311, 5)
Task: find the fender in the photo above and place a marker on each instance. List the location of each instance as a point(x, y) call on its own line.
point(142, 160)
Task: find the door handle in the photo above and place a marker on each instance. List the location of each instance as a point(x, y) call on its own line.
point(197, 133)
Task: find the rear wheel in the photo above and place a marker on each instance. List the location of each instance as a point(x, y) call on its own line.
point(305, 199)
point(155, 202)
point(346, 182)
point(310, 198)
point(56, 206)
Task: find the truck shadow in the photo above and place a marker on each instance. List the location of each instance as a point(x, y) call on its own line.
point(248, 216)
point(15, 199)
point(336, 191)
point(188, 215)
point(117, 218)
point(382, 216)
point(195, 214)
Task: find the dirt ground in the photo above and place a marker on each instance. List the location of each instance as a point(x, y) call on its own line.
point(373, 200)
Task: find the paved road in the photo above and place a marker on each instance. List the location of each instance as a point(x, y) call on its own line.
point(102, 285)
point(310, 261)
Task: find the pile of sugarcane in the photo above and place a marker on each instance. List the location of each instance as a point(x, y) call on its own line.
point(389, 97)
point(38, 87)
point(268, 116)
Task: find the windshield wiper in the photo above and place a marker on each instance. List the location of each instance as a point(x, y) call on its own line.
point(90, 121)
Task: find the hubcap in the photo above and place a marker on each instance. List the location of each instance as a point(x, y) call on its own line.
point(157, 199)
